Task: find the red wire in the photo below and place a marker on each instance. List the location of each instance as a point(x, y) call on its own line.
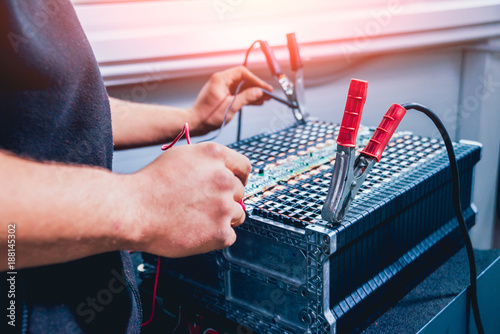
point(185, 130)
point(248, 51)
point(154, 294)
point(188, 136)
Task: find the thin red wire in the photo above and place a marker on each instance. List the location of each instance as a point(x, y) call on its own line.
point(154, 293)
point(249, 50)
point(185, 130)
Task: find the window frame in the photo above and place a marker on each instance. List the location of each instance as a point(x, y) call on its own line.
point(152, 40)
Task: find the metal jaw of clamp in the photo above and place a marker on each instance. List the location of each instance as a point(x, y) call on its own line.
point(349, 171)
point(285, 83)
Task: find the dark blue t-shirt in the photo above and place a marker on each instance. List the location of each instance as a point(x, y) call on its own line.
point(54, 107)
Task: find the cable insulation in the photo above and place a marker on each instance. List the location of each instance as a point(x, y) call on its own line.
point(458, 207)
point(249, 50)
point(184, 131)
point(154, 293)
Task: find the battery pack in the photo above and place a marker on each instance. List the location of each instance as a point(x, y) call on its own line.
point(290, 271)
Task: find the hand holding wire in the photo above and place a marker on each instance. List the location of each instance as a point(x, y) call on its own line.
point(204, 211)
point(185, 131)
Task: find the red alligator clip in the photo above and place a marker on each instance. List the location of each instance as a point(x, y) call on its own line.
point(349, 171)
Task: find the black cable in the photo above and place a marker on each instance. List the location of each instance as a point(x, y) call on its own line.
point(279, 99)
point(458, 207)
point(240, 120)
point(238, 88)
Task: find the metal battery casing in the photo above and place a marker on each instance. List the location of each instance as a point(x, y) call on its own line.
point(291, 272)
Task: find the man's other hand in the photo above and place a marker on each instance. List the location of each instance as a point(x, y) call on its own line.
point(207, 113)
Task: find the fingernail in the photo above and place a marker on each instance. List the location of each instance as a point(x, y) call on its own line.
point(258, 93)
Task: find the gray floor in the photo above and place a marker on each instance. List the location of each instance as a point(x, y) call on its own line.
point(429, 297)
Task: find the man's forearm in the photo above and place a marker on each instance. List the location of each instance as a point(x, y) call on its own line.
point(176, 206)
point(62, 212)
point(139, 124)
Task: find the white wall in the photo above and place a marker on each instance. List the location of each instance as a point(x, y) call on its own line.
point(165, 51)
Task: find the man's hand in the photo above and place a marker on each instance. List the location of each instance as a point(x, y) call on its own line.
point(188, 199)
point(207, 113)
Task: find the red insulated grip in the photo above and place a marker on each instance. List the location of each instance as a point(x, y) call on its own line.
point(384, 132)
point(352, 115)
point(272, 62)
point(293, 50)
